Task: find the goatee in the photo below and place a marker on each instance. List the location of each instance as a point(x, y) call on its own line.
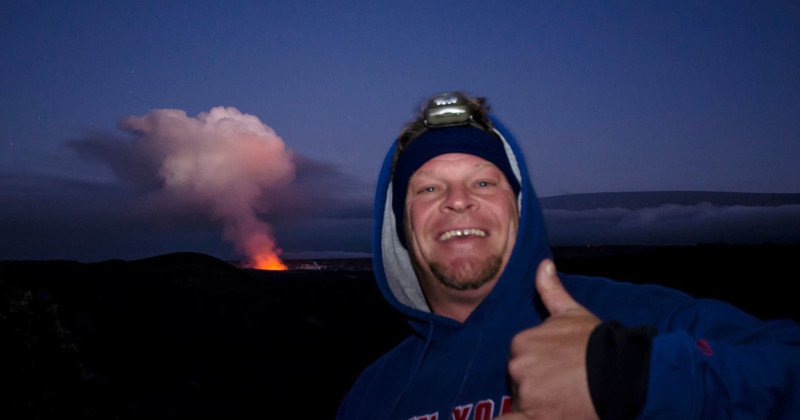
point(467, 276)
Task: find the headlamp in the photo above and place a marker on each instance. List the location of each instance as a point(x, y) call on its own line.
point(447, 110)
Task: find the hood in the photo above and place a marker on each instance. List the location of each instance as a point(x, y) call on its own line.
point(398, 281)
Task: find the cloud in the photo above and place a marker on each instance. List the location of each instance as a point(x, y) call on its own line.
point(322, 190)
point(225, 166)
point(45, 217)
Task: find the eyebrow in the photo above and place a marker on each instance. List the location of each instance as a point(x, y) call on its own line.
point(478, 166)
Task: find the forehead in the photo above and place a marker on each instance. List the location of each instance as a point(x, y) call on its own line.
point(453, 162)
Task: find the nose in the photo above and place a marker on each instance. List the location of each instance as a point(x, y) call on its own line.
point(459, 199)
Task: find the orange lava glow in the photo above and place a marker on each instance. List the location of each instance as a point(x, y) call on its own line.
point(268, 261)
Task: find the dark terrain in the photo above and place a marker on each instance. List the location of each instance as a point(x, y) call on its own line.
point(190, 336)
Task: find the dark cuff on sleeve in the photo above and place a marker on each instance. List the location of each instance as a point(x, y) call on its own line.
point(618, 364)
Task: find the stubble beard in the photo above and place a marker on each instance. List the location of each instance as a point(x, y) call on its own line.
point(467, 276)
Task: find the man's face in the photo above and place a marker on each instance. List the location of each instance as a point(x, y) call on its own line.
point(461, 223)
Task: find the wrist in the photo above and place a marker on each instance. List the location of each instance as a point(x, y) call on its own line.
point(617, 366)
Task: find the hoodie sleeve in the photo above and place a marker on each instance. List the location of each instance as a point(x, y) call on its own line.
point(711, 360)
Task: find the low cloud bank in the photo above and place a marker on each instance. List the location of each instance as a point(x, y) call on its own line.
point(672, 224)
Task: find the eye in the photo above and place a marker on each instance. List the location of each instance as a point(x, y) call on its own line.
point(428, 189)
point(484, 184)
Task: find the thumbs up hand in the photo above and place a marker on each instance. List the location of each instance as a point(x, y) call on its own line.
point(547, 363)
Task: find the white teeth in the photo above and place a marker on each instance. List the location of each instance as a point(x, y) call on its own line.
point(461, 232)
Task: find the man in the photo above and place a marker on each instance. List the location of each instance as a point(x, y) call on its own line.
point(460, 249)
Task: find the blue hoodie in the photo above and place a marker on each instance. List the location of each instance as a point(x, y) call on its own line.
point(709, 359)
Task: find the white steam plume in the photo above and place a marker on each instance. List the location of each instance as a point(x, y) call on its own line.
point(222, 160)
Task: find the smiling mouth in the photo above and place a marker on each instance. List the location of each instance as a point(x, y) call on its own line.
point(460, 233)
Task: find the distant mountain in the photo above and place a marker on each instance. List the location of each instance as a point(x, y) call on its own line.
point(672, 218)
point(645, 199)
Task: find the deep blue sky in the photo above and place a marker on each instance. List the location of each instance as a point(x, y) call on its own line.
point(604, 96)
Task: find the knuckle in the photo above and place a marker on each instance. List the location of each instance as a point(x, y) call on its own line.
point(521, 338)
point(515, 369)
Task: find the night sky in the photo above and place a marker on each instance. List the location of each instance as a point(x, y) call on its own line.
point(603, 96)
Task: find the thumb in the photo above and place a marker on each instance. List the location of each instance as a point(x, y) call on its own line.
point(555, 297)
